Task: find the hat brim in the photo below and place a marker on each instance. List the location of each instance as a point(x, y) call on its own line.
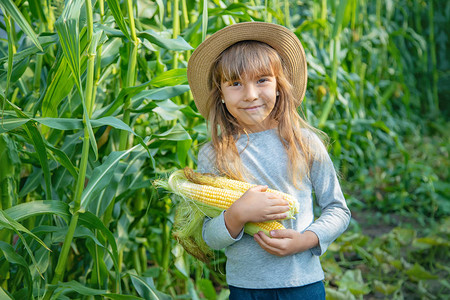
point(278, 37)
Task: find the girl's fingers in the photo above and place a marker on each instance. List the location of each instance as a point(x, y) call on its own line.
point(282, 203)
point(264, 241)
point(279, 209)
point(273, 195)
point(261, 240)
point(277, 200)
point(259, 188)
point(279, 216)
point(271, 217)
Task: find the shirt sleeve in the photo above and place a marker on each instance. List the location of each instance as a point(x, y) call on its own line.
point(214, 232)
point(335, 215)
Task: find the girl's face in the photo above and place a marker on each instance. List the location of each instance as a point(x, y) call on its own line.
point(251, 100)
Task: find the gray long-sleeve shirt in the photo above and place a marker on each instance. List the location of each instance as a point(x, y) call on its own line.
point(250, 266)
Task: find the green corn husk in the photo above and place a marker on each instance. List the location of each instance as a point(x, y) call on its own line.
point(187, 230)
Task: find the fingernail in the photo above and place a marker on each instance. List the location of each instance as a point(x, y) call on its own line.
point(272, 233)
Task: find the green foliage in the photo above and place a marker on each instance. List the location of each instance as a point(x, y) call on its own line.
point(95, 107)
point(397, 264)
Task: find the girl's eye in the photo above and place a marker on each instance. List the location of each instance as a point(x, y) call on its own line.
point(235, 83)
point(262, 80)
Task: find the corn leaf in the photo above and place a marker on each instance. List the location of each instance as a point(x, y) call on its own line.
point(114, 6)
point(65, 124)
point(207, 288)
point(11, 9)
point(93, 222)
point(59, 234)
point(30, 209)
point(18, 69)
point(4, 295)
point(161, 9)
point(162, 93)
point(67, 27)
point(9, 158)
point(122, 171)
point(39, 207)
point(340, 14)
point(164, 81)
point(33, 182)
point(170, 78)
point(138, 94)
point(183, 150)
point(146, 288)
point(71, 124)
point(176, 133)
point(36, 9)
point(12, 257)
point(38, 143)
point(204, 19)
point(102, 175)
point(178, 44)
point(192, 291)
point(166, 109)
point(74, 286)
point(10, 56)
point(11, 123)
point(69, 37)
point(122, 297)
point(45, 40)
point(63, 159)
point(61, 83)
point(58, 88)
point(105, 198)
point(7, 222)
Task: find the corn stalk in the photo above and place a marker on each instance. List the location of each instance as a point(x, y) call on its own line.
point(88, 105)
point(336, 47)
point(130, 77)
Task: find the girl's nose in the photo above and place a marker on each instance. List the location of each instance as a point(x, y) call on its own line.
point(251, 92)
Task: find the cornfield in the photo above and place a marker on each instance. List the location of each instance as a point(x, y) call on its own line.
point(95, 106)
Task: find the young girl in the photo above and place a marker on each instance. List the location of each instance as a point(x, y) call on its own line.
point(248, 80)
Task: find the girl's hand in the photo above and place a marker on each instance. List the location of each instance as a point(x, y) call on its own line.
point(255, 205)
point(286, 241)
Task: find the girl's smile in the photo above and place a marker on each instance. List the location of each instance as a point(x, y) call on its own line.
point(251, 100)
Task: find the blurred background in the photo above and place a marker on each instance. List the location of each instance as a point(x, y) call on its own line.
point(95, 106)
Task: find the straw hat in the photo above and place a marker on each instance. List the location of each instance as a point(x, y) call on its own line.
point(278, 37)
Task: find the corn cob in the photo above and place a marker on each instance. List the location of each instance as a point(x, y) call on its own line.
point(208, 195)
point(236, 185)
point(204, 200)
point(213, 198)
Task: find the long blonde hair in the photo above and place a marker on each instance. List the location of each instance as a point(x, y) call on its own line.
point(254, 58)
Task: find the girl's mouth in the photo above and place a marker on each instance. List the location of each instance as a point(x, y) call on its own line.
point(252, 108)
